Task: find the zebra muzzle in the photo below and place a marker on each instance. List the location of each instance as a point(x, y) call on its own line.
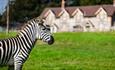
point(51, 41)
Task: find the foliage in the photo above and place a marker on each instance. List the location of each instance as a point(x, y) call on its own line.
point(29, 8)
point(95, 2)
point(74, 51)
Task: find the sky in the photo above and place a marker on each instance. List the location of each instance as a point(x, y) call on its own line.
point(3, 4)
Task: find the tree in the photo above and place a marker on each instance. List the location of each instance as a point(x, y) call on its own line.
point(24, 9)
point(93, 2)
point(0, 18)
point(27, 9)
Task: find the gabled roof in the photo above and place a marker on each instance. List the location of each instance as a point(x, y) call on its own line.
point(88, 11)
point(110, 9)
point(56, 11)
point(70, 10)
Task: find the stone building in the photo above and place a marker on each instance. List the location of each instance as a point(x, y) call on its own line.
point(80, 18)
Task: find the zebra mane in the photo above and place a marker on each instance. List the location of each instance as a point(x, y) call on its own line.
point(27, 23)
point(38, 20)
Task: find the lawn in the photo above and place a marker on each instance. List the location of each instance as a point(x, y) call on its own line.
point(73, 51)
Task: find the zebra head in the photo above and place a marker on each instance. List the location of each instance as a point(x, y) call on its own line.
point(43, 32)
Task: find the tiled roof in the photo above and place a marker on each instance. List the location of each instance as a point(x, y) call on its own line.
point(56, 11)
point(86, 10)
point(70, 10)
point(110, 9)
point(89, 10)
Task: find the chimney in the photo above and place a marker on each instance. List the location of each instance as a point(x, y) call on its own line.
point(114, 3)
point(63, 4)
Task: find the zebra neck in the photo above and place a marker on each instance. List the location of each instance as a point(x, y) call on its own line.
point(29, 34)
point(27, 41)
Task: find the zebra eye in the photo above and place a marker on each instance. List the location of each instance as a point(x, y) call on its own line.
point(48, 29)
point(43, 28)
point(47, 25)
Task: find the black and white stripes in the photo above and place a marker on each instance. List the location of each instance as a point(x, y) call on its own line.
point(15, 51)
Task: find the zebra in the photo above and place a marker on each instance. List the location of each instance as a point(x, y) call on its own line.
point(15, 51)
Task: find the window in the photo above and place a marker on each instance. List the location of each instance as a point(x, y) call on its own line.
point(102, 15)
point(64, 17)
point(78, 17)
point(77, 28)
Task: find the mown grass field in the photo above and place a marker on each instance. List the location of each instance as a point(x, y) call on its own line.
point(73, 51)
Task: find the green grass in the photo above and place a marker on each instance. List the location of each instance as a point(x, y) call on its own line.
point(74, 51)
